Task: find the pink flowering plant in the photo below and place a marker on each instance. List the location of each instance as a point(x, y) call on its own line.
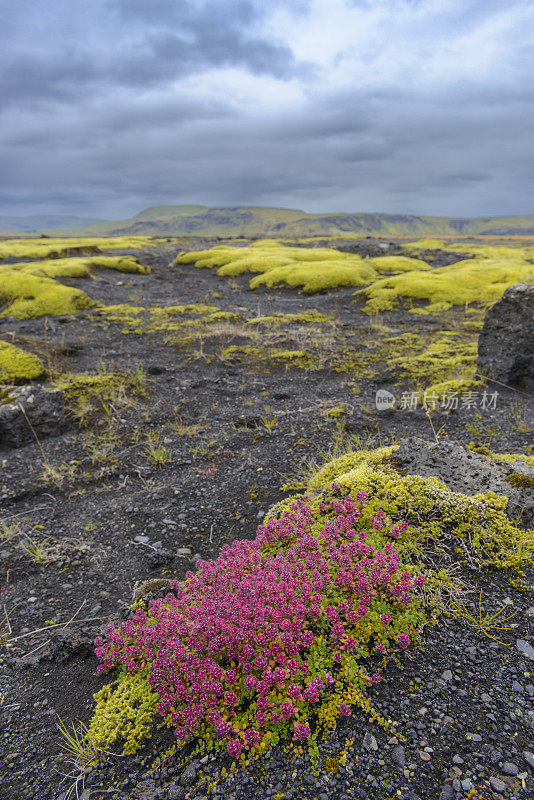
point(280, 635)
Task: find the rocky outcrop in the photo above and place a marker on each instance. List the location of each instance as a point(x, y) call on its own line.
point(471, 473)
point(506, 343)
point(33, 413)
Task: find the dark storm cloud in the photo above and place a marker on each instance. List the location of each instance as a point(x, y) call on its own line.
point(391, 105)
point(201, 17)
point(144, 45)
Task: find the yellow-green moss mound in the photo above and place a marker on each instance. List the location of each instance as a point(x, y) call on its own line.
point(398, 264)
point(57, 247)
point(348, 462)
point(311, 269)
point(133, 703)
point(313, 278)
point(480, 280)
point(79, 267)
point(30, 290)
point(27, 296)
point(17, 365)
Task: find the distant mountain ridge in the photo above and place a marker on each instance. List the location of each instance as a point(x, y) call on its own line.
point(197, 220)
point(48, 222)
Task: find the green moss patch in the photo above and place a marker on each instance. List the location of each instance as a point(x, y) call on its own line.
point(61, 246)
point(311, 269)
point(6, 395)
point(510, 457)
point(476, 526)
point(223, 316)
point(480, 280)
point(164, 319)
point(513, 457)
point(26, 296)
point(398, 264)
point(99, 393)
point(311, 317)
point(520, 481)
point(269, 356)
point(448, 363)
point(133, 703)
point(437, 392)
point(337, 411)
point(192, 308)
point(80, 267)
point(18, 366)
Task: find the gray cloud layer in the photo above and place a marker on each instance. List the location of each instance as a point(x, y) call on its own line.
point(422, 106)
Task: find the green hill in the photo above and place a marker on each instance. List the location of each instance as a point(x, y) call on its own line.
point(261, 221)
point(197, 220)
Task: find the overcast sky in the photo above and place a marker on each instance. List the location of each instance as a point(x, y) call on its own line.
point(409, 106)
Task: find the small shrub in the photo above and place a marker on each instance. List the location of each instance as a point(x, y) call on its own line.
point(284, 634)
point(273, 631)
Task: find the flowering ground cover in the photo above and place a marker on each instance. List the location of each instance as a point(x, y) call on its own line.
point(300, 619)
point(282, 635)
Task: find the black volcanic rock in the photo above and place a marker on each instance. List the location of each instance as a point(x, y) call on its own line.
point(506, 343)
point(35, 412)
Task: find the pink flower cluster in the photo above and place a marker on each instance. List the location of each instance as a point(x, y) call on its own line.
point(234, 636)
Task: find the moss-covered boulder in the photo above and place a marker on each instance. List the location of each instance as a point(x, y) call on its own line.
point(470, 473)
